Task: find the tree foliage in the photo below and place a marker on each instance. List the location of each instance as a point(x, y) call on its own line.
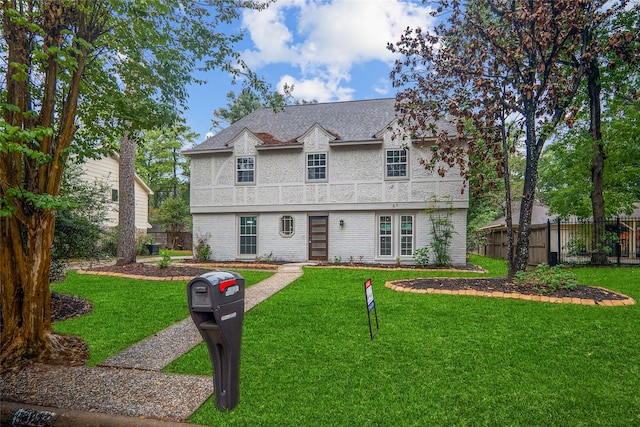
point(175, 217)
point(610, 136)
point(488, 64)
point(79, 229)
point(238, 106)
point(565, 175)
point(101, 66)
point(160, 163)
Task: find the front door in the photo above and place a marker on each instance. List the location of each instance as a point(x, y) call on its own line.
point(318, 237)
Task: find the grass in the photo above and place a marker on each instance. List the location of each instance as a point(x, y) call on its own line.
point(307, 358)
point(126, 310)
point(171, 252)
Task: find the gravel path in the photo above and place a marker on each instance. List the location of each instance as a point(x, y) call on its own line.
point(128, 392)
point(130, 383)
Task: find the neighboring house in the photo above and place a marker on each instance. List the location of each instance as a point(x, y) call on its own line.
point(572, 241)
point(324, 182)
point(106, 171)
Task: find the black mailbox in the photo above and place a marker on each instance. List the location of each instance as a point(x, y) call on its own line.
point(216, 303)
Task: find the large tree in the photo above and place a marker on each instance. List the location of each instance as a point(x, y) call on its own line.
point(593, 171)
point(159, 161)
point(490, 63)
point(98, 65)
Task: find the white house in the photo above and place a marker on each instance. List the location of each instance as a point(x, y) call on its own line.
point(106, 171)
point(322, 182)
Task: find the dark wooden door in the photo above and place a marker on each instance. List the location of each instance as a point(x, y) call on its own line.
point(318, 238)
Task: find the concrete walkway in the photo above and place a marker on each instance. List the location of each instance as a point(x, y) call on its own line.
point(128, 389)
point(157, 351)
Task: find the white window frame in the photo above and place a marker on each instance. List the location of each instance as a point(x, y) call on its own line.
point(242, 234)
point(387, 235)
point(396, 164)
point(240, 161)
point(401, 243)
point(407, 236)
point(287, 226)
point(316, 166)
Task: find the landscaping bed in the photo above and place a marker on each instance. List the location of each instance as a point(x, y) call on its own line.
point(503, 284)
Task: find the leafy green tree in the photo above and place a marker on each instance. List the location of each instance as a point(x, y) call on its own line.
point(159, 161)
point(79, 229)
point(175, 217)
point(109, 68)
point(592, 172)
point(238, 106)
point(248, 101)
point(565, 173)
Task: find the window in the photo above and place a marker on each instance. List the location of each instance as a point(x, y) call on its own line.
point(316, 166)
point(248, 235)
point(385, 235)
point(396, 163)
point(114, 195)
point(245, 168)
point(396, 235)
point(286, 226)
point(406, 235)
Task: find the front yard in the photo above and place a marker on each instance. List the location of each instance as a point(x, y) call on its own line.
point(307, 358)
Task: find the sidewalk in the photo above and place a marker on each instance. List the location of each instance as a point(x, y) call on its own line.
point(129, 388)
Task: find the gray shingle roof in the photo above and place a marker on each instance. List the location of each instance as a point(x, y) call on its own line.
point(348, 121)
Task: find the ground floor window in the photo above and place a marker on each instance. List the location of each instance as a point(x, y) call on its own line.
point(248, 235)
point(385, 235)
point(395, 235)
point(406, 235)
point(286, 226)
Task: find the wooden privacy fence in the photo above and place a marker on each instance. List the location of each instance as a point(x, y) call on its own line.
point(573, 242)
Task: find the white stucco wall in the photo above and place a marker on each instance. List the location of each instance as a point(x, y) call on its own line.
point(356, 191)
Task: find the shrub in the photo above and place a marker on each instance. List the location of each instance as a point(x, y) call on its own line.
point(202, 249)
point(166, 259)
point(548, 279)
point(110, 242)
point(421, 257)
point(142, 240)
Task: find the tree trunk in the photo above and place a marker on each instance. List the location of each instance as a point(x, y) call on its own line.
point(25, 257)
point(521, 257)
point(127, 203)
point(507, 191)
point(598, 253)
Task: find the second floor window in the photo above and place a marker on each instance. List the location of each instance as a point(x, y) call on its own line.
point(316, 166)
point(396, 164)
point(245, 169)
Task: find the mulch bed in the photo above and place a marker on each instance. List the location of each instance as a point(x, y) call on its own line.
point(503, 284)
point(150, 270)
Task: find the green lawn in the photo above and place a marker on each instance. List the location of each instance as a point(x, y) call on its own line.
point(127, 310)
point(307, 358)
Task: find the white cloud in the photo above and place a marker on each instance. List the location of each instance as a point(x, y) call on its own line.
point(382, 87)
point(316, 89)
point(324, 40)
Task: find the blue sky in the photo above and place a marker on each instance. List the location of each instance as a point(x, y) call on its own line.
point(331, 50)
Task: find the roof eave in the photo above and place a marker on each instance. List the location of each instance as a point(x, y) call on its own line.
point(268, 147)
point(225, 150)
point(341, 143)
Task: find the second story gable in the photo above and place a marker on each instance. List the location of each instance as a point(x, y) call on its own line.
point(344, 154)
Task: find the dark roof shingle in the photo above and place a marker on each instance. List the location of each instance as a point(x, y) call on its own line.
point(348, 121)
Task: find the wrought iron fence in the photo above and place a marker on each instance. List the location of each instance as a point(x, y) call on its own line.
point(615, 241)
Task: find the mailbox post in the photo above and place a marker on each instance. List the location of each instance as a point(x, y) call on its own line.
point(216, 304)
